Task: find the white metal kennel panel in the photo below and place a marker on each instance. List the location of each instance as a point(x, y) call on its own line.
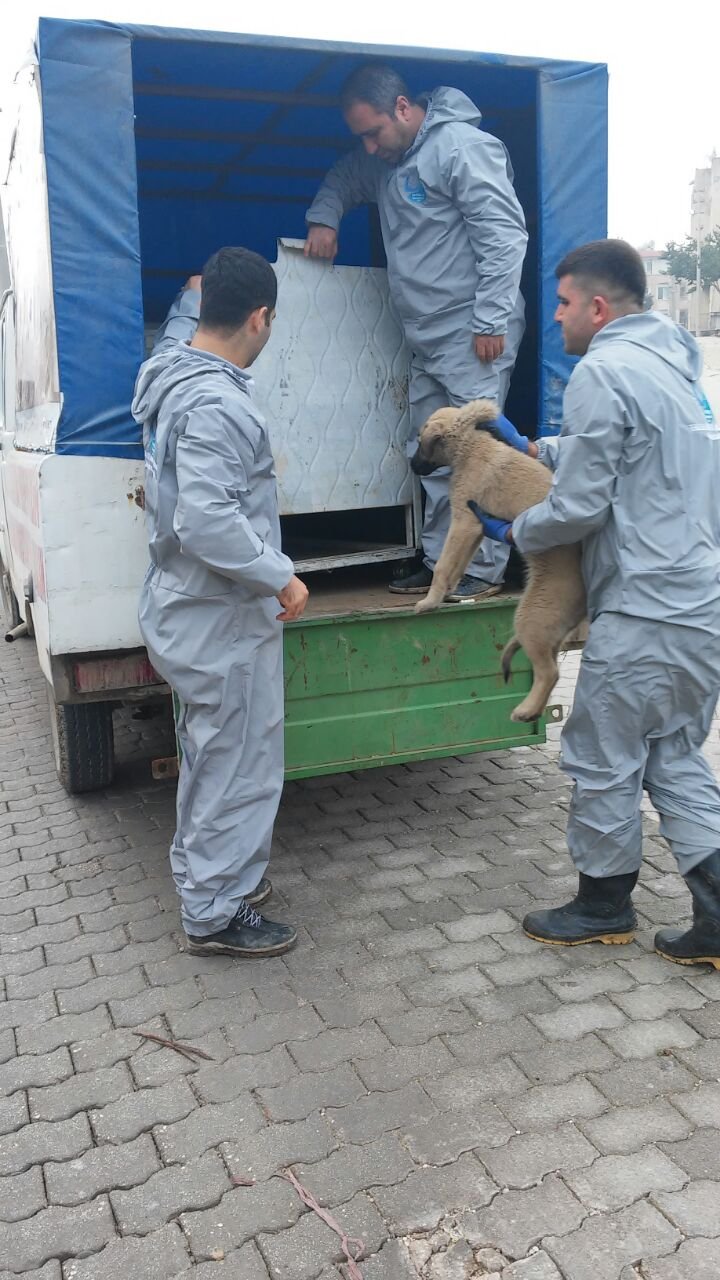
point(333, 383)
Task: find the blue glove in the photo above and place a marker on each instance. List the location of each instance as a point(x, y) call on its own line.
point(496, 529)
point(510, 434)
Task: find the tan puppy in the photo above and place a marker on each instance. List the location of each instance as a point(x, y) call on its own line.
point(503, 482)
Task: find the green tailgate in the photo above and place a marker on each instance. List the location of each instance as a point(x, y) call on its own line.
point(365, 689)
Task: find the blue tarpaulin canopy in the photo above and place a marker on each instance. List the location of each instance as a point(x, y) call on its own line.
point(162, 145)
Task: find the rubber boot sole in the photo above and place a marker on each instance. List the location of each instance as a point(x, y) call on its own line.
point(243, 953)
point(713, 960)
point(609, 938)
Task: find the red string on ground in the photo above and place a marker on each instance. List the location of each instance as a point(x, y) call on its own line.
point(307, 1197)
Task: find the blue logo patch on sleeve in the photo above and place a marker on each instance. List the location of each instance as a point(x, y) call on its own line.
point(415, 191)
point(704, 403)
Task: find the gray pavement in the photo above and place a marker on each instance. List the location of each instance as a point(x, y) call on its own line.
point(464, 1101)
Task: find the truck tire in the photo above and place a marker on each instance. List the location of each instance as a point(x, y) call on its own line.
point(82, 735)
point(10, 605)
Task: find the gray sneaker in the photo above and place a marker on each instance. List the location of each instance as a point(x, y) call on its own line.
point(472, 589)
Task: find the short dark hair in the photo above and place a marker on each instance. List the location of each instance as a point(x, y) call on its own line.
point(235, 282)
point(612, 265)
point(378, 85)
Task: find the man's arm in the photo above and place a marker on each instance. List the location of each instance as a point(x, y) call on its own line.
point(181, 320)
point(588, 459)
point(546, 450)
point(350, 182)
point(213, 460)
point(480, 187)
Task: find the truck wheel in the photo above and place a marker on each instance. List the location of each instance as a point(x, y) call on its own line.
point(9, 602)
point(82, 735)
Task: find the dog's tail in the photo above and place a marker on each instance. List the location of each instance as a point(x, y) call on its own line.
point(508, 654)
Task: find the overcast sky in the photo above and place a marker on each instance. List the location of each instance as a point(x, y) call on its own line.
point(664, 68)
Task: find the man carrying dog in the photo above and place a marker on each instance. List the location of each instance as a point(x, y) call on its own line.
point(209, 607)
point(455, 239)
point(637, 478)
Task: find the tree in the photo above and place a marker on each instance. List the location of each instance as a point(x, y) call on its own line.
point(682, 260)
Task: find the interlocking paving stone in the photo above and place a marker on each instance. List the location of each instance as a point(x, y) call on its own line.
point(296, 1253)
point(417, 1059)
point(242, 1214)
point(352, 1169)
point(22, 1196)
point(606, 1243)
point(161, 1255)
point(124, 1120)
point(630, 1083)
point(169, 1192)
point(526, 1158)
point(101, 1169)
point(516, 1221)
point(35, 1143)
point(694, 1209)
point(627, 1129)
point(55, 1231)
point(426, 1195)
point(616, 1181)
point(699, 1154)
point(445, 1137)
point(694, 1260)
point(276, 1146)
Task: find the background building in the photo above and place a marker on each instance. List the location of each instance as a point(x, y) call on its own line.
point(704, 218)
point(669, 296)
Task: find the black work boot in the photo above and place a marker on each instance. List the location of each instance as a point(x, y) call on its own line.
point(249, 934)
point(260, 893)
point(415, 583)
point(701, 943)
point(601, 911)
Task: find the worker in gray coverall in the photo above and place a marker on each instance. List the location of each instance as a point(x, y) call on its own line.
point(209, 608)
point(637, 478)
point(455, 239)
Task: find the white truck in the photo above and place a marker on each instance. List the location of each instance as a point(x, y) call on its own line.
point(136, 152)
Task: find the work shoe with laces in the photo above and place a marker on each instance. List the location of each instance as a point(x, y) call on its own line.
point(249, 934)
point(260, 893)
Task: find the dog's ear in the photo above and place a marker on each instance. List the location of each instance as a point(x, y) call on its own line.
point(477, 415)
point(483, 414)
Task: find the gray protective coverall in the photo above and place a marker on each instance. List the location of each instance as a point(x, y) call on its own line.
point(208, 612)
point(455, 239)
point(637, 480)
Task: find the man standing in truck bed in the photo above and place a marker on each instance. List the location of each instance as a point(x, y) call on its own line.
point(455, 239)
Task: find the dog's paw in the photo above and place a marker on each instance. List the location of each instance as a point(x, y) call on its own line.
point(524, 714)
point(426, 605)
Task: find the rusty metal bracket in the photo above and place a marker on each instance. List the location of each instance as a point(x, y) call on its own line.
point(555, 714)
point(165, 767)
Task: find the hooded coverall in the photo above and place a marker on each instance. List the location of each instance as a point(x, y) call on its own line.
point(455, 239)
point(208, 613)
point(637, 479)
